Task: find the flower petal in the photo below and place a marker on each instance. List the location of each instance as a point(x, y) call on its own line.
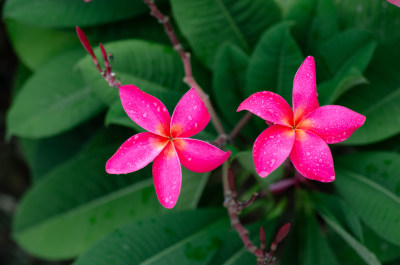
point(312, 157)
point(394, 2)
point(270, 107)
point(271, 148)
point(167, 176)
point(304, 90)
point(199, 156)
point(332, 123)
point(146, 110)
point(190, 115)
point(135, 153)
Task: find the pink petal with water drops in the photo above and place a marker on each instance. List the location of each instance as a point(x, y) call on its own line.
point(135, 153)
point(146, 110)
point(312, 157)
point(394, 2)
point(304, 90)
point(190, 115)
point(199, 156)
point(167, 176)
point(271, 148)
point(269, 106)
point(332, 123)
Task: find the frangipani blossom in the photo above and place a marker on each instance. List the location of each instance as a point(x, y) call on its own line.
point(166, 143)
point(302, 134)
point(394, 2)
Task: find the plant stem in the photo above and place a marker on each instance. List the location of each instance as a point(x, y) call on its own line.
point(231, 205)
point(239, 126)
point(188, 79)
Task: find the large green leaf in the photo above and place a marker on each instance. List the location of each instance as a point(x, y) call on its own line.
point(378, 17)
point(315, 21)
point(53, 100)
point(182, 238)
point(145, 27)
point(78, 203)
point(69, 13)
point(330, 204)
point(208, 24)
point(331, 90)
point(196, 237)
point(377, 207)
point(352, 48)
point(274, 62)
point(117, 115)
point(154, 68)
point(35, 46)
point(232, 250)
point(377, 197)
point(364, 253)
point(45, 154)
point(378, 101)
point(228, 81)
point(316, 250)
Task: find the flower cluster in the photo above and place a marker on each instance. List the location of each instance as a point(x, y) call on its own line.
point(303, 134)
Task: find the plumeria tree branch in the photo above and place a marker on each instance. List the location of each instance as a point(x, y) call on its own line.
point(235, 207)
point(185, 56)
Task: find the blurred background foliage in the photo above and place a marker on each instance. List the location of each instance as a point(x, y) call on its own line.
point(63, 122)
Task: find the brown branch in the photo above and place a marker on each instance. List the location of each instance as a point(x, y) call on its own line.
point(239, 126)
point(234, 209)
point(188, 79)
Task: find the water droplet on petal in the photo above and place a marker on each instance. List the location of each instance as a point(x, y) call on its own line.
point(144, 115)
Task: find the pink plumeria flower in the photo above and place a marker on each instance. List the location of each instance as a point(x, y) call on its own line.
point(301, 134)
point(166, 142)
point(394, 2)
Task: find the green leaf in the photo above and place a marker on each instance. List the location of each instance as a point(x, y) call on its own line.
point(376, 205)
point(385, 251)
point(245, 159)
point(379, 100)
point(53, 100)
point(68, 210)
point(209, 24)
point(45, 154)
point(376, 199)
point(228, 81)
point(274, 63)
point(154, 68)
point(315, 21)
point(330, 91)
point(146, 28)
point(329, 204)
point(378, 17)
point(181, 238)
point(69, 13)
point(35, 46)
point(349, 49)
point(117, 115)
point(361, 250)
point(316, 250)
point(233, 252)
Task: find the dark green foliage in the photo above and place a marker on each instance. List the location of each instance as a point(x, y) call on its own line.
point(69, 122)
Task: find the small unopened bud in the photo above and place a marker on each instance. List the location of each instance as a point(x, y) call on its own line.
point(84, 41)
point(283, 232)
